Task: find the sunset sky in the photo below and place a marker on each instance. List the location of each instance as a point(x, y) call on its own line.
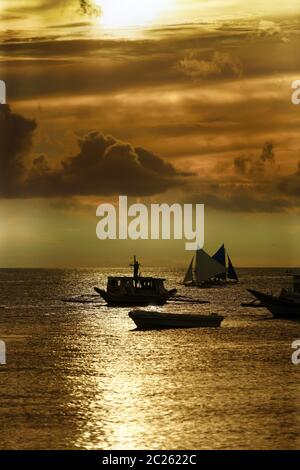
point(160, 100)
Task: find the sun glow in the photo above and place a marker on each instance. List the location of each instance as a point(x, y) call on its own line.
point(127, 13)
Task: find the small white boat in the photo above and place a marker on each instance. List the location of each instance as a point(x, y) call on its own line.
point(147, 320)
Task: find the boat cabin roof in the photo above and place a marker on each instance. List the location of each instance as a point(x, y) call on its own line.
point(139, 278)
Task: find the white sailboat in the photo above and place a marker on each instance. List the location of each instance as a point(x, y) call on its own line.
point(205, 270)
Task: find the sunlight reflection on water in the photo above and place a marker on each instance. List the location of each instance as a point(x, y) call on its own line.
point(80, 376)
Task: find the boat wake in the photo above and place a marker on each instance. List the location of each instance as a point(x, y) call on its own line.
point(83, 299)
point(188, 300)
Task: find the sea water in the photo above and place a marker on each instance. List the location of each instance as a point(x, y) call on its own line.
point(78, 375)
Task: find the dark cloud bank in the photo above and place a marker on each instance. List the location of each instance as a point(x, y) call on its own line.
point(255, 186)
point(104, 165)
point(107, 166)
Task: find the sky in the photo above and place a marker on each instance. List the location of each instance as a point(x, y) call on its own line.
point(164, 101)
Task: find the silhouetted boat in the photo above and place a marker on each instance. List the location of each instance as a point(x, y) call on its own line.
point(223, 258)
point(285, 305)
point(210, 271)
point(135, 290)
point(147, 320)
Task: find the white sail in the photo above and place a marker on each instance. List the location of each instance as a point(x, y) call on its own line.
point(207, 267)
point(189, 274)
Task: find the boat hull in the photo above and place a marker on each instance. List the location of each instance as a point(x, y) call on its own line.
point(131, 300)
point(156, 320)
point(253, 304)
point(279, 307)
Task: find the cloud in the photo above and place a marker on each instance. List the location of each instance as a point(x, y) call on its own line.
point(290, 184)
point(104, 165)
point(88, 7)
point(242, 199)
point(267, 154)
point(105, 66)
point(221, 63)
point(270, 28)
point(255, 186)
point(153, 162)
point(249, 166)
point(15, 141)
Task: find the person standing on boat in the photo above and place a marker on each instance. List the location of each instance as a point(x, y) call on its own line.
point(136, 267)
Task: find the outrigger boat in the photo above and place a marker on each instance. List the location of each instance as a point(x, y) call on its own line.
point(209, 271)
point(286, 304)
point(146, 320)
point(135, 290)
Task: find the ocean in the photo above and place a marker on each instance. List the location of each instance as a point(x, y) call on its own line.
point(80, 376)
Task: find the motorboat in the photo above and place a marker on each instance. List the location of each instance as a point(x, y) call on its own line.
point(149, 320)
point(135, 290)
